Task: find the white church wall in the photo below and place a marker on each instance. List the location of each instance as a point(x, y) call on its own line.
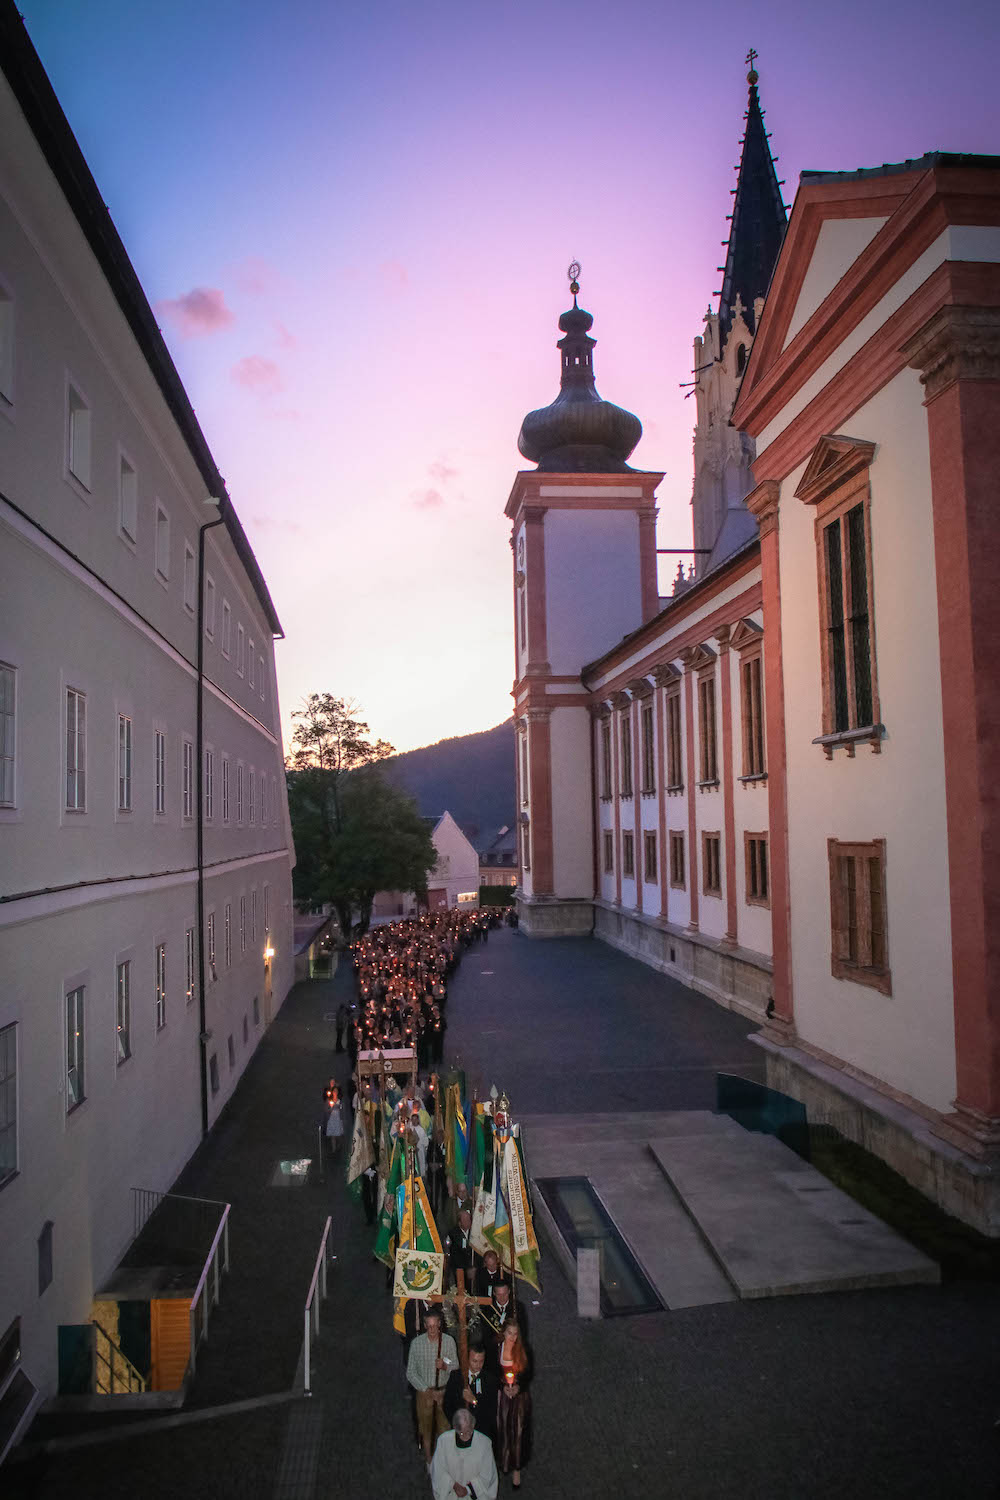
point(838, 246)
point(592, 583)
point(906, 1039)
point(573, 850)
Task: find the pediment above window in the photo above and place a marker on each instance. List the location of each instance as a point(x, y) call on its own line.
point(621, 700)
point(699, 658)
point(664, 673)
point(640, 687)
point(746, 633)
point(835, 460)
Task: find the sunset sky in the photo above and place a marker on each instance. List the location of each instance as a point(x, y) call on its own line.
point(354, 217)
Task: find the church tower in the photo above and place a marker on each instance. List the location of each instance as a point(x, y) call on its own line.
point(583, 534)
point(722, 456)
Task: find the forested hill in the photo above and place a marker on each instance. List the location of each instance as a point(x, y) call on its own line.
point(472, 777)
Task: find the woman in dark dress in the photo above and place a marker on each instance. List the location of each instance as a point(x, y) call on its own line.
point(513, 1437)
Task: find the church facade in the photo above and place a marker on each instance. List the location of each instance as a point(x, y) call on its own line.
point(775, 785)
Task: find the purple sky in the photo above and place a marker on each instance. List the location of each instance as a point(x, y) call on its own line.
point(354, 220)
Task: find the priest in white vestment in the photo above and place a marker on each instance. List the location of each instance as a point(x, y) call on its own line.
point(463, 1467)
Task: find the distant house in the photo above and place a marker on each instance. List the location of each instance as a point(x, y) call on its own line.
point(454, 880)
point(498, 861)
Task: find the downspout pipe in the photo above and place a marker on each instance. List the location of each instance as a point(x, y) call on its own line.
point(204, 1034)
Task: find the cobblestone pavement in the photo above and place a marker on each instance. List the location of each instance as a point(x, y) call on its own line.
point(874, 1394)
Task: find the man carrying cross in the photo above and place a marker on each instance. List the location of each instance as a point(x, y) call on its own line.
point(432, 1356)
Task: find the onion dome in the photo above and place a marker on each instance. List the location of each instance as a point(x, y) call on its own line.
point(579, 433)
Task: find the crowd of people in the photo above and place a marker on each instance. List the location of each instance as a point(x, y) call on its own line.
point(472, 1411)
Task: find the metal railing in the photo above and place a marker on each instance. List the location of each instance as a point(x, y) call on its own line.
point(311, 1311)
point(114, 1372)
point(145, 1202)
point(206, 1293)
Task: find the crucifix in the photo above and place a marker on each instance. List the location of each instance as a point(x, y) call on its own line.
point(751, 57)
point(460, 1297)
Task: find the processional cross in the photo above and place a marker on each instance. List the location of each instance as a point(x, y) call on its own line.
point(461, 1297)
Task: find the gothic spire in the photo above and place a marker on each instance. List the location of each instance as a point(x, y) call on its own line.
point(758, 219)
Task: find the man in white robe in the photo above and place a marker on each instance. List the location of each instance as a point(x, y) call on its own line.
point(464, 1467)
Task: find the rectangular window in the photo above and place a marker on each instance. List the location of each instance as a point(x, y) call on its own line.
point(263, 798)
point(675, 765)
point(757, 873)
point(260, 677)
point(256, 1010)
point(648, 753)
point(209, 784)
point(213, 1073)
point(246, 1030)
point(752, 708)
point(241, 650)
point(124, 763)
point(231, 1047)
point(239, 792)
point(190, 969)
point(609, 852)
point(78, 437)
point(76, 751)
point(227, 628)
point(267, 909)
point(523, 618)
point(8, 725)
point(859, 948)
point(649, 856)
point(253, 915)
point(187, 779)
point(678, 878)
point(252, 795)
point(225, 789)
point(75, 1075)
point(123, 1011)
point(160, 765)
point(605, 758)
point(709, 766)
point(161, 545)
point(850, 665)
point(128, 499)
point(210, 944)
point(6, 347)
point(250, 660)
point(161, 985)
point(628, 855)
point(190, 583)
point(209, 607)
point(526, 846)
point(8, 1103)
point(228, 935)
point(45, 1257)
point(243, 924)
point(711, 864)
point(626, 747)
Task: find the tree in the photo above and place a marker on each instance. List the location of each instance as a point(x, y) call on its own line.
point(355, 833)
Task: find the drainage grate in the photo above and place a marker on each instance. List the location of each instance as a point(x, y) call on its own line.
point(585, 1224)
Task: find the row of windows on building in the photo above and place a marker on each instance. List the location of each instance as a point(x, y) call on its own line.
point(757, 890)
point(243, 794)
point(79, 444)
point(752, 725)
point(78, 1045)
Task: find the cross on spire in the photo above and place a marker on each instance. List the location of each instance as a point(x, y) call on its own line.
point(751, 57)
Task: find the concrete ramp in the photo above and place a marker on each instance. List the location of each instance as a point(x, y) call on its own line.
point(713, 1212)
point(776, 1225)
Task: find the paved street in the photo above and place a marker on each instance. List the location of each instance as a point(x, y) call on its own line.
point(872, 1394)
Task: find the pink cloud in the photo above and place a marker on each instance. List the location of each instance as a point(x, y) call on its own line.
point(395, 275)
point(286, 340)
point(257, 275)
point(427, 499)
point(255, 373)
point(441, 471)
point(202, 310)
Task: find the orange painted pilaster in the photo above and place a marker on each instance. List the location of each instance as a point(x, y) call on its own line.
point(635, 717)
point(692, 792)
point(536, 658)
point(763, 505)
point(647, 565)
point(659, 708)
point(959, 354)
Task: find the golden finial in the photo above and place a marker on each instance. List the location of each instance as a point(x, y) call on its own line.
point(574, 276)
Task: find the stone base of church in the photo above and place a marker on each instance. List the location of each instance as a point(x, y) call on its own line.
point(737, 978)
point(904, 1137)
point(550, 916)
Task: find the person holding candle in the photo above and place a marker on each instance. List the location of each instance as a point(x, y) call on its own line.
point(433, 1354)
point(514, 1402)
point(477, 1389)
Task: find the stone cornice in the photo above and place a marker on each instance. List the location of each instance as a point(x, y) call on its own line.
point(958, 343)
point(762, 503)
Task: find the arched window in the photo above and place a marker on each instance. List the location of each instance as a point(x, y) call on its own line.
point(741, 359)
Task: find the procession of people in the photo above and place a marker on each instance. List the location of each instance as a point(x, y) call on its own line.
point(442, 1177)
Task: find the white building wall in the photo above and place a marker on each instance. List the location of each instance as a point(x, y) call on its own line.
point(905, 1039)
point(82, 605)
point(457, 870)
point(592, 582)
point(572, 792)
